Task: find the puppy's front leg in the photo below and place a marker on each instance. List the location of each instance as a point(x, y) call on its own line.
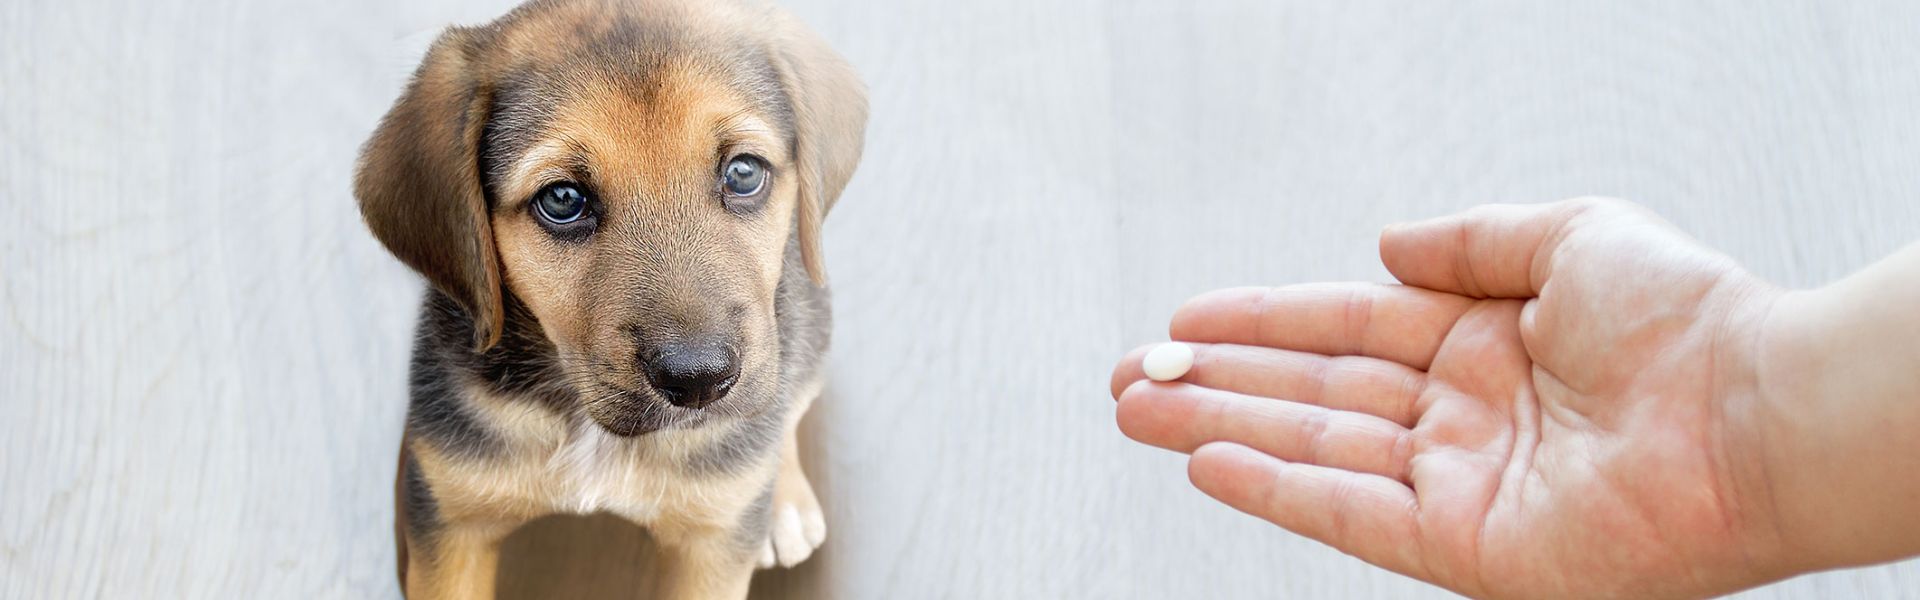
point(453, 561)
point(797, 525)
point(703, 567)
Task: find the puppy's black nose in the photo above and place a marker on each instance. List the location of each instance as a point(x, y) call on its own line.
point(692, 374)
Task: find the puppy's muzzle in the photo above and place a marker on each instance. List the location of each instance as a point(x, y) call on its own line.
point(691, 374)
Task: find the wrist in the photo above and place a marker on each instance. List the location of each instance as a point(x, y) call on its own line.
point(1784, 374)
point(1749, 385)
point(1837, 420)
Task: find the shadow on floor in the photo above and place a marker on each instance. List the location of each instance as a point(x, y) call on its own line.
point(603, 557)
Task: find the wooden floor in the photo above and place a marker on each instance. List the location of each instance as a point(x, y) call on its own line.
point(202, 353)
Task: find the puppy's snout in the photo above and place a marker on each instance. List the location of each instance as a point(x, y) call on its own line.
point(691, 374)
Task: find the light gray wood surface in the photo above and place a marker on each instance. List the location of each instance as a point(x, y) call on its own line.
point(202, 353)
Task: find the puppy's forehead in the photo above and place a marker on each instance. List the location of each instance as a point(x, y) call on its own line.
point(624, 63)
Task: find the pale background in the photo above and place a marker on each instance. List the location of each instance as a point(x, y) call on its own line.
point(202, 353)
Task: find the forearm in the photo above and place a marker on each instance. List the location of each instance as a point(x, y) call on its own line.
point(1840, 373)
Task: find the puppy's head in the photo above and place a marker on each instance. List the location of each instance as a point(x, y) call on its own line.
point(632, 172)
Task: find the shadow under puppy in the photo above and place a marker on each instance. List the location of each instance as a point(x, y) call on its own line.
point(618, 206)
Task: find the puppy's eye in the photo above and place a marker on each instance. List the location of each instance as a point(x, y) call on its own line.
point(743, 176)
point(560, 204)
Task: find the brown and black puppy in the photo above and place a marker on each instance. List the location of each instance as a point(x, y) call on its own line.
point(618, 206)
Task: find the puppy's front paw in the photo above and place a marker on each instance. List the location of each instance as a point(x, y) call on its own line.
point(798, 526)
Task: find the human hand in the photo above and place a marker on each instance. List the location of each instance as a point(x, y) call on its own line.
point(1561, 400)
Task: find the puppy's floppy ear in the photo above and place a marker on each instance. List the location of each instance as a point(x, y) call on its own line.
point(419, 182)
point(830, 121)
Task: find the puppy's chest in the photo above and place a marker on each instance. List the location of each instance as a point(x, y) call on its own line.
point(555, 466)
point(592, 473)
point(640, 479)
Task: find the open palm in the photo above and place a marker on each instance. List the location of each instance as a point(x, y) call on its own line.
point(1556, 403)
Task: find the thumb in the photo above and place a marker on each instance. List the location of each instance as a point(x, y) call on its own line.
point(1490, 251)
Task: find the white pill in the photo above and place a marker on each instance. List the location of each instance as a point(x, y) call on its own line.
point(1168, 361)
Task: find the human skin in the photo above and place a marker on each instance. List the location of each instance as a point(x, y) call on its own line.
point(1571, 399)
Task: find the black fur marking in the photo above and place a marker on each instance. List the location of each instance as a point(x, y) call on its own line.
point(635, 47)
point(756, 78)
point(438, 412)
point(757, 521)
point(522, 366)
point(423, 512)
point(805, 317)
point(742, 446)
point(515, 120)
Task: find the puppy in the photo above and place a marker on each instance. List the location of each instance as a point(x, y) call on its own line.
point(618, 205)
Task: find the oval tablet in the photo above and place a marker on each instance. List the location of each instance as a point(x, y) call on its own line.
point(1168, 362)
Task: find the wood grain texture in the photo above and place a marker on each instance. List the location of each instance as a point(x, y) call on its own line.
point(202, 353)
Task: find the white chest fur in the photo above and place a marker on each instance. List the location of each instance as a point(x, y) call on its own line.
point(569, 464)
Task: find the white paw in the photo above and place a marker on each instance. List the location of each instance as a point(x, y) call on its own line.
point(798, 528)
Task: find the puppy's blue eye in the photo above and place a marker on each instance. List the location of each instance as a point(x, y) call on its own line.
point(745, 175)
point(560, 204)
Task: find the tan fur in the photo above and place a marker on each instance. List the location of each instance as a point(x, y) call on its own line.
point(575, 467)
point(661, 151)
point(561, 467)
point(419, 191)
point(464, 563)
point(830, 113)
point(663, 258)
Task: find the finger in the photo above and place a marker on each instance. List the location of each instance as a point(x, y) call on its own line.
point(1390, 322)
point(1491, 251)
point(1182, 417)
point(1130, 369)
point(1381, 388)
point(1370, 517)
